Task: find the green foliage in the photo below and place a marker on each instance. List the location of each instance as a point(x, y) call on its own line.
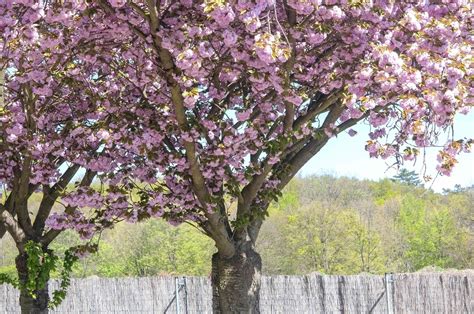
point(40, 264)
point(319, 238)
point(327, 240)
point(149, 248)
point(407, 177)
point(69, 260)
point(350, 226)
point(9, 279)
point(7, 271)
point(429, 235)
point(289, 199)
point(459, 189)
point(320, 224)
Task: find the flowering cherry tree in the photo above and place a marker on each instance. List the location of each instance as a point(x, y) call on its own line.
point(207, 109)
point(55, 136)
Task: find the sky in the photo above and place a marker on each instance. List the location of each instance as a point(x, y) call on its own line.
point(346, 156)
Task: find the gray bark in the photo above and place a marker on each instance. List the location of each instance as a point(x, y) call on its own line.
point(29, 304)
point(236, 282)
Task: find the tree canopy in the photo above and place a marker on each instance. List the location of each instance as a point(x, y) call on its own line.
point(407, 177)
point(178, 109)
point(213, 98)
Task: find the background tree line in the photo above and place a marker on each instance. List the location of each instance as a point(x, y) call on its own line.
point(321, 224)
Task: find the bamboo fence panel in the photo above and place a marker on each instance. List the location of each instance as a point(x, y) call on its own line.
point(444, 292)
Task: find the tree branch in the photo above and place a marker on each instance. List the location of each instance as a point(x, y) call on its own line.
point(21, 197)
point(216, 226)
point(317, 105)
point(13, 227)
point(299, 159)
point(50, 195)
point(53, 233)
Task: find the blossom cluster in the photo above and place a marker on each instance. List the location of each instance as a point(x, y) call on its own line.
point(140, 94)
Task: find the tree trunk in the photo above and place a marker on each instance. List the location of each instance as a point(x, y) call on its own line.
point(236, 282)
point(29, 304)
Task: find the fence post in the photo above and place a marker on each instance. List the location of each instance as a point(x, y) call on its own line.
point(180, 283)
point(183, 285)
point(389, 292)
point(176, 293)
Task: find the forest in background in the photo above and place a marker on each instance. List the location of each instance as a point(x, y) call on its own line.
point(320, 224)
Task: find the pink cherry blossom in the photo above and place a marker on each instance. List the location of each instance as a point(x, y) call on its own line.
point(174, 109)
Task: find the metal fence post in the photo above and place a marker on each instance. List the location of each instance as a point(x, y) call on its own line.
point(176, 293)
point(389, 292)
point(180, 283)
point(184, 286)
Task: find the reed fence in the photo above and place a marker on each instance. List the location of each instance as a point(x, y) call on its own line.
point(445, 292)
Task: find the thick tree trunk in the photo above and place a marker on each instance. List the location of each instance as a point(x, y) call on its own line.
point(28, 304)
point(236, 282)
